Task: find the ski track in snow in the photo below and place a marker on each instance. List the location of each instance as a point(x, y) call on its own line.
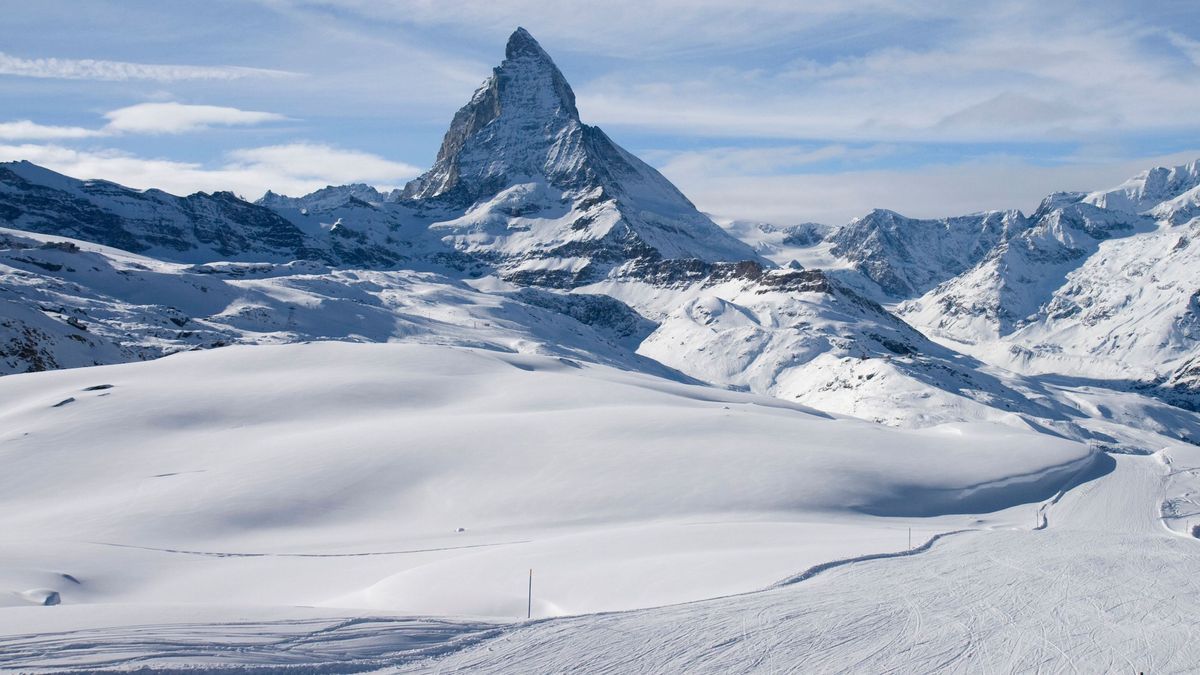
point(359, 554)
point(1098, 589)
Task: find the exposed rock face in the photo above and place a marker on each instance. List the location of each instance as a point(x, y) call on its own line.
point(1181, 387)
point(522, 122)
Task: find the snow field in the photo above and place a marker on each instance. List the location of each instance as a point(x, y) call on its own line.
point(338, 475)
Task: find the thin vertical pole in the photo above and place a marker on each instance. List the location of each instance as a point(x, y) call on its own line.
point(529, 605)
point(910, 538)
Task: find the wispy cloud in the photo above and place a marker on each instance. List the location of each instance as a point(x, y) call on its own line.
point(175, 118)
point(938, 190)
point(143, 118)
point(996, 83)
point(296, 168)
point(624, 28)
point(93, 69)
point(316, 165)
point(759, 161)
point(26, 130)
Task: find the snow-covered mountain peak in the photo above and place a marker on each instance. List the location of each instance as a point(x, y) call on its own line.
point(908, 256)
point(521, 181)
point(329, 196)
point(1149, 188)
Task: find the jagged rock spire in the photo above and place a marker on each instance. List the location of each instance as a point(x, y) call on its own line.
point(527, 101)
point(521, 135)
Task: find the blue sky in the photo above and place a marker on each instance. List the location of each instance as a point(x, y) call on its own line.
point(781, 111)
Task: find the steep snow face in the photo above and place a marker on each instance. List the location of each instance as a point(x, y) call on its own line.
point(1149, 189)
point(1131, 310)
point(907, 256)
point(550, 199)
point(1095, 288)
point(1179, 210)
point(1086, 291)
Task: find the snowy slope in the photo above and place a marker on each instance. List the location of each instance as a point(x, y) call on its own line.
point(1104, 587)
point(249, 510)
point(803, 336)
point(249, 475)
point(1066, 596)
point(1085, 291)
point(70, 303)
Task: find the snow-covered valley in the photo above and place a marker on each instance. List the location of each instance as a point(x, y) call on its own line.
point(535, 412)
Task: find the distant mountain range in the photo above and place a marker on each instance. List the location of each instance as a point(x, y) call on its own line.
point(535, 232)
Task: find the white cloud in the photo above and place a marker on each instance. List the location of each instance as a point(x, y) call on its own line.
point(878, 70)
point(175, 118)
point(1000, 83)
point(26, 130)
point(834, 70)
point(92, 69)
point(1189, 47)
point(143, 118)
point(926, 192)
point(758, 161)
point(621, 28)
point(318, 165)
point(294, 169)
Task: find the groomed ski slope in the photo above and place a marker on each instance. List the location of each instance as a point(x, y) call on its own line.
point(1103, 587)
